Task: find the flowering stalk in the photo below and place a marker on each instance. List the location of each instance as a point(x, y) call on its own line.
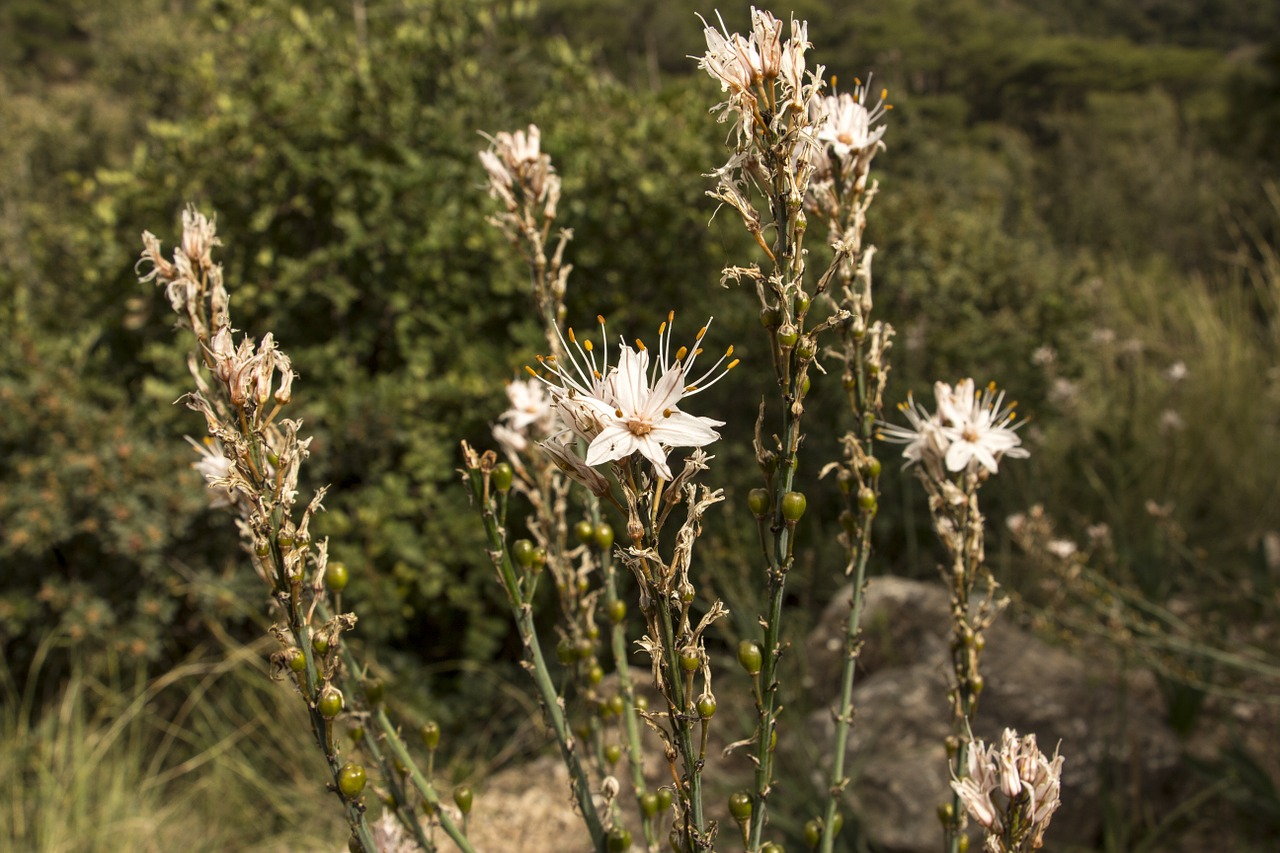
point(954, 451)
point(252, 462)
point(489, 492)
point(839, 196)
point(523, 180)
point(774, 103)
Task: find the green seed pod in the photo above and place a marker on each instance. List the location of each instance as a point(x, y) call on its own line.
point(687, 593)
point(320, 644)
point(690, 658)
point(945, 813)
point(750, 656)
point(263, 548)
point(866, 500)
point(664, 799)
point(584, 531)
point(807, 347)
point(770, 318)
point(758, 502)
point(297, 660)
point(502, 476)
point(787, 336)
point(962, 844)
point(675, 840)
point(401, 767)
point(617, 610)
point(595, 674)
point(617, 705)
point(837, 823)
point(604, 536)
point(430, 733)
point(354, 845)
point(642, 704)
point(813, 833)
point(336, 577)
point(870, 467)
point(612, 753)
point(583, 648)
point(845, 480)
point(374, 690)
point(649, 803)
point(351, 780)
point(978, 683)
point(330, 703)
point(740, 806)
point(565, 651)
point(523, 550)
point(706, 705)
point(539, 559)
point(618, 840)
point(357, 734)
point(462, 796)
point(802, 303)
point(772, 847)
point(793, 506)
point(804, 386)
point(593, 633)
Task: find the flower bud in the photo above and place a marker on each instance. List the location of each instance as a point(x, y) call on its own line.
point(750, 656)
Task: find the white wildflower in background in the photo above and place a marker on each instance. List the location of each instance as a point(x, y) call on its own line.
point(515, 164)
point(1177, 372)
point(216, 469)
point(971, 429)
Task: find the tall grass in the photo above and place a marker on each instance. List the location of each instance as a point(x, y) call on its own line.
point(207, 757)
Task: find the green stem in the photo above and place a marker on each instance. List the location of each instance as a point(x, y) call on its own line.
point(425, 788)
point(695, 819)
point(844, 718)
point(618, 639)
point(523, 616)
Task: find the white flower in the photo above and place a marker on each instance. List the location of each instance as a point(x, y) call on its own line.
point(731, 59)
point(216, 469)
point(530, 403)
point(1177, 371)
point(977, 425)
point(847, 128)
point(634, 407)
point(969, 428)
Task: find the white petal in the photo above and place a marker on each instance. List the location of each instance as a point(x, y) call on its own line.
point(683, 430)
point(614, 442)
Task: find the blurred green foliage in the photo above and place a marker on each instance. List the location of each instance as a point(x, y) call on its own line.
point(1054, 170)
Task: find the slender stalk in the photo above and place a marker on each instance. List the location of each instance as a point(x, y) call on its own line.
point(523, 616)
point(618, 641)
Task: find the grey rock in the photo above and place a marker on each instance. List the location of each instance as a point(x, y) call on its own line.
point(895, 754)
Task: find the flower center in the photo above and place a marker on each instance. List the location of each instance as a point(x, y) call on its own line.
point(639, 427)
point(845, 138)
point(970, 434)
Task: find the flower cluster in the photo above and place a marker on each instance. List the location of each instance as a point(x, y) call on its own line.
point(515, 165)
point(530, 416)
point(631, 407)
point(971, 430)
point(850, 134)
point(1030, 785)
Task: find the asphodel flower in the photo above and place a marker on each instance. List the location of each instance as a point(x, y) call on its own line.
point(971, 429)
point(633, 407)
